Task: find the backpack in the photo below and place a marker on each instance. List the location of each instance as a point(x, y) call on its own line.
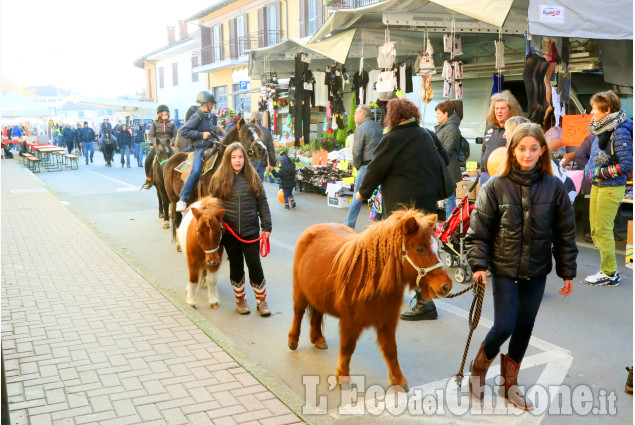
point(464, 151)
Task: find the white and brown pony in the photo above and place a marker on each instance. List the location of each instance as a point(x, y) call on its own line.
point(361, 278)
point(201, 232)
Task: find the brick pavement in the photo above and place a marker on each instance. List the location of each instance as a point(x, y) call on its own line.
point(87, 339)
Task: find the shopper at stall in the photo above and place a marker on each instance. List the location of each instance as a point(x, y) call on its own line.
point(286, 174)
point(247, 213)
point(611, 159)
point(267, 163)
point(366, 138)
point(520, 218)
point(449, 134)
point(397, 167)
point(501, 106)
point(162, 129)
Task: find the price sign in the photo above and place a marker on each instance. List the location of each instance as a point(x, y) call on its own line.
point(575, 128)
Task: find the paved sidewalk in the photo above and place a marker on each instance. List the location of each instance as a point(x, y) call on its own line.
point(87, 339)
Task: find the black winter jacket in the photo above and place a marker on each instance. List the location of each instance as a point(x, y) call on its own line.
point(243, 209)
point(407, 167)
point(450, 135)
point(519, 221)
point(286, 173)
point(196, 126)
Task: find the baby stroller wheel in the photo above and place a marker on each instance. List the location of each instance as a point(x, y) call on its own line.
point(449, 261)
point(462, 274)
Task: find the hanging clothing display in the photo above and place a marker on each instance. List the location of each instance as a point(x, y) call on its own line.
point(321, 89)
point(360, 82)
point(386, 85)
point(425, 89)
point(335, 79)
point(387, 55)
point(498, 83)
point(304, 97)
point(372, 94)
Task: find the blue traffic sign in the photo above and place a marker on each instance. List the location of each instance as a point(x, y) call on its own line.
point(243, 85)
point(109, 111)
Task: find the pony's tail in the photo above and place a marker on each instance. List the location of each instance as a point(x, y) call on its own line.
point(174, 225)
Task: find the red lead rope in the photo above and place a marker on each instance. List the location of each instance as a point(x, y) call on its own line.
point(265, 248)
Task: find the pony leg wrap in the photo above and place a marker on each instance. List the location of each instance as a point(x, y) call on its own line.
point(239, 289)
point(260, 290)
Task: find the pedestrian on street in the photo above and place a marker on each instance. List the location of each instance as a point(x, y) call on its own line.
point(287, 179)
point(247, 212)
point(366, 138)
point(105, 128)
point(449, 134)
point(78, 143)
point(406, 165)
point(501, 106)
point(266, 164)
point(138, 137)
point(69, 138)
point(87, 137)
point(201, 129)
point(124, 141)
point(610, 161)
point(521, 216)
point(162, 129)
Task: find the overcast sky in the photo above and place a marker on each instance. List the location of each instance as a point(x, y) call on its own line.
point(86, 46)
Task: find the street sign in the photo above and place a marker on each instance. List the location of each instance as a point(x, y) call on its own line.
point(109, 111)
point(243, 85)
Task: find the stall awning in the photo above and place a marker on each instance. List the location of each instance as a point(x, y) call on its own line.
point(493, 12)
point(609, 19)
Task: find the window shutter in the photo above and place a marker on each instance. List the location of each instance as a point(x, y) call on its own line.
point(206, 45)
point(220, 42)
point(278, 20)
point(246, 41)
point(262, 28)
point(303, 18)
point(233, 42)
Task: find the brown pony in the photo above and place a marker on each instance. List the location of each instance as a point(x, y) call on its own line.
point(163, 151)
point(248, 134)
point(201, 232)
point(361, 278)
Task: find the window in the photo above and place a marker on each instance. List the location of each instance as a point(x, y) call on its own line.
point(217, 34)
point(161, 78)
point(149, 87)
point(241, 101)
point(241, 25)
point(194, 65)
point(311, 17)
point(272, 24)
point(175, 74)
point(220, 93)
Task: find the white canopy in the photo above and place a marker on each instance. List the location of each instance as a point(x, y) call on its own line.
point(13, 104)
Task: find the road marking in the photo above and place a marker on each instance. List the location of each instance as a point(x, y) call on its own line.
point(110, 178)
point(282, 245)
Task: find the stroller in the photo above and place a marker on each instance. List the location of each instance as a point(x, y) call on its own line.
point(452, 236)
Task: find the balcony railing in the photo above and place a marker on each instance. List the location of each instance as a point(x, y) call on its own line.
point(234, 49)
point(351, 4)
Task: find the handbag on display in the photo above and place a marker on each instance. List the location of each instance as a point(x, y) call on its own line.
point(457, 70)
point(387, 55)
point(386, 82)
point(446, 74)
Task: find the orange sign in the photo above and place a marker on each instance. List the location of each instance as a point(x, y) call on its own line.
point(315, 158)
point(575, 128)
point(324, 157)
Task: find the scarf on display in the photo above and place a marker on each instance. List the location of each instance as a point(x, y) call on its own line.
point(404, 122)
point(603, 128)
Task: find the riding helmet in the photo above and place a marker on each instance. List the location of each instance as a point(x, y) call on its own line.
point(205, 97)
point(162, 108)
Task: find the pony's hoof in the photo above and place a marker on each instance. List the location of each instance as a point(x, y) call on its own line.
point(345, 386)
point(178, 248)
point(293, 345)
point(345, 382)
point(213, 305)
point(193, 306)
point(161, 215)
point(322, 345)
point(166, 224)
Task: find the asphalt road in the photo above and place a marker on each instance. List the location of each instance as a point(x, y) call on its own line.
point(583, 341)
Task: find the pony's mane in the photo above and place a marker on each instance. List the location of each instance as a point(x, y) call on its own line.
point(376, 252)
point(209, 204)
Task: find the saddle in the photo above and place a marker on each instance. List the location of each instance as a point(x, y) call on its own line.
point(185, 167)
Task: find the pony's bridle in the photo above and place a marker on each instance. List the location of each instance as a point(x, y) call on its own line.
point(213, 250)
point(250, 150)
point(421, 272)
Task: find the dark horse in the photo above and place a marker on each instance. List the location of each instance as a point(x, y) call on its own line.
point(108, 146)
point(249, 135)
point(162, 151)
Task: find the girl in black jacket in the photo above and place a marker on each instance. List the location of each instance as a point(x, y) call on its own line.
point(237, 184)
point(286, 174)
point(520, 218)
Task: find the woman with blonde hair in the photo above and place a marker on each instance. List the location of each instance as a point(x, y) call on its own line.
point(237, 184)
point(520, 218)
point(502, 106)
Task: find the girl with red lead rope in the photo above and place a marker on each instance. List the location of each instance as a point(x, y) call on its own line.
point(237, 184)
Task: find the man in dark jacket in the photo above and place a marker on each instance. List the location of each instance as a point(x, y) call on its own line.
point(69, 138)
point(367, 136)
point(450, 136)
point(78, 143)
point(267, 163)
point(201, 129)
point(87, 137)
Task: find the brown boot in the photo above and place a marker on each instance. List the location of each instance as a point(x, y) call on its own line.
point(478, 371)
point(509, 372)
point(263, 308)
point(242, 307)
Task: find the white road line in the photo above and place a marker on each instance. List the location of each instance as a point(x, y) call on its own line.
point(110, 178)
point(282, 245)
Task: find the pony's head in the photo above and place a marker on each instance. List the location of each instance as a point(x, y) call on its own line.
point(250, 136)
point(421, 265)
point(209, 229)
point(163, 151)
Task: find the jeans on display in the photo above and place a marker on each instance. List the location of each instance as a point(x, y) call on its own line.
point(125, 150)
point(197, 166)
point(137, 149)
point(355, 206)
point(88, 147)
point(450, 204)
point(516, 304)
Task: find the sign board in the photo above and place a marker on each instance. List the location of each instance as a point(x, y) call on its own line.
point(242, 85)
point(551, 14)
point(575, 129)
point(109, 111)
point(324, 157)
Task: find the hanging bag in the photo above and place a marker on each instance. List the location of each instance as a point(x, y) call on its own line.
point(425, 61)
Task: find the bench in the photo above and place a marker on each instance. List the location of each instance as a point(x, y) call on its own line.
point(71, 161)
point(33, 163)
point(25, 157)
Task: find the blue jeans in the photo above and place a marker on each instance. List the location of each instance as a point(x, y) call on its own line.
point(516, 304)
point(450, 204)
point(260, 169)
point(88, 147)
point(355, 206)
point(125, 149)
point(197, 165)
point(137, 150)
point(288, 195)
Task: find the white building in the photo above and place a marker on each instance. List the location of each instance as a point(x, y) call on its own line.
point(170, 78)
